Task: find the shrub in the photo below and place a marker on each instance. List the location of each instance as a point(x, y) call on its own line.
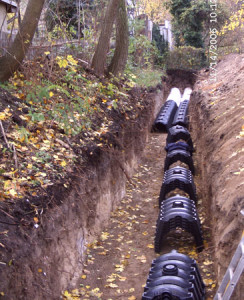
point(186, 57)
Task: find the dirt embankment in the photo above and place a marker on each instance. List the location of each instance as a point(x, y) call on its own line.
point(217, 119)
point(38, 262)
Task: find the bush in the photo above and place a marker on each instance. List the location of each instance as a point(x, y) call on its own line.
point(187, 58)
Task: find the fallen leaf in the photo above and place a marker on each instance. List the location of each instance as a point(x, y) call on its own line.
point(112, 285)
point(63, 163)
point(36, 220)
point(208, 262)
point(104, 236)
point(208, 282)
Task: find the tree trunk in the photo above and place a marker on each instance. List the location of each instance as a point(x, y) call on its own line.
point(119, 59)
point(99, 58)
point(15, 54)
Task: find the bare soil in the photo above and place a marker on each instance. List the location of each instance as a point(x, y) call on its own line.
point(118, 262)
point(217, 110)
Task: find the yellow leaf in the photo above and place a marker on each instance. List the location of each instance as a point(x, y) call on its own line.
point(208, 282)
point(122, 278)
point(12, 192)
point(110, 279)
point(150, 246)
point(104, 236)
point(142, 258)
point(63, 163)
point(39, 270)
point(208, 262)
point(132, 298)
point(47, 52)
point(71, 60)
point(62, 62)
point(51, 94)
point(112, 285)
point(4, 115)
point(2, 294)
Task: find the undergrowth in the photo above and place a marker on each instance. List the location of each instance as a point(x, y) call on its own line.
point(63, 108)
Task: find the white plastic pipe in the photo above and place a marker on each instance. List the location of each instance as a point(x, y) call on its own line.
point(186, 94)
point(175, 95)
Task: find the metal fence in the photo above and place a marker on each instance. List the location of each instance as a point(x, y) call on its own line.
point(40, 45)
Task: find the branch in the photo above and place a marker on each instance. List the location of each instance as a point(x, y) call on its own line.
point(4, 135)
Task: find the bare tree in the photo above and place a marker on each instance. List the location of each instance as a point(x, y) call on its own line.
point(15, 54)
point(119, 59)
point(99, 58)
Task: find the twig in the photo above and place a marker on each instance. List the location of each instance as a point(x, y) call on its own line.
point(83, 61)
point(14, 224)
point(4, 135)
point(15, 157)
point(126, 174)
point(63, 143)
point(7, 214)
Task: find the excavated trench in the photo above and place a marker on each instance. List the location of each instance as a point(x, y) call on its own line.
point(118, 262)
point(66, 253)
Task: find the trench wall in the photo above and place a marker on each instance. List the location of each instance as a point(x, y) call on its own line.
point(219, 158)
point(49, 259)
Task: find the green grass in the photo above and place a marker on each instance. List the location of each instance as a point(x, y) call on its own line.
point(147, 77)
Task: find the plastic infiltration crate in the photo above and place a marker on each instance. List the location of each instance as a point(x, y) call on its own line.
point(174, 276)
point(176, 212)
point(179, 155)
point(165, 117)
point(177, 133)
point(179, 146)
point(178, 177)
point(181, 116)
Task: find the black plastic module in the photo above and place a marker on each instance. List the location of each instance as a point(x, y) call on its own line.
point(178, 177)
point(179, 155)
point(177, 133)
point(179, 146)
point(174, 276)
point(165, 117)
point(177, 212)
point(181, 115)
